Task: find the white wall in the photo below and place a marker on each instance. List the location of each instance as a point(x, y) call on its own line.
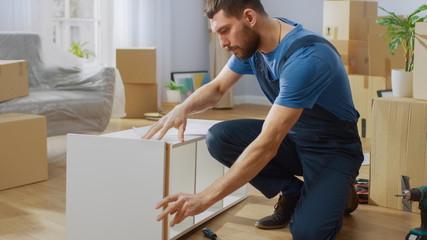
point(400, 7)
point(189, 36)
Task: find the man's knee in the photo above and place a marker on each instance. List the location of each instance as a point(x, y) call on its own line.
point(227, 140)
point(300, 232)
point(215, 141)
point(312, 230)
point(212, 140)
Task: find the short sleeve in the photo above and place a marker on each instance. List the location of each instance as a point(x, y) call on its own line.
point(303, 81)
point(239, 66)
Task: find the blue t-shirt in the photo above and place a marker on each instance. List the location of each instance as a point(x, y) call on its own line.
point(312, 75)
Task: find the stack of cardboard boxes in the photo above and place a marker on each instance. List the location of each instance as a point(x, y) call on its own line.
point(351, 27)
point(137, 67)
point(23, 148)
point(345, 25)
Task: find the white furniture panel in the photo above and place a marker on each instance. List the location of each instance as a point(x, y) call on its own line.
point(182, 179)
point(208, 169)
point(112, 187)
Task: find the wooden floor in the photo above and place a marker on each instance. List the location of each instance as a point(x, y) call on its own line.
point(37, 211)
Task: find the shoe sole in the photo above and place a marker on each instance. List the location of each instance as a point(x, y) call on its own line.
point(271, 227)
point(353, 199)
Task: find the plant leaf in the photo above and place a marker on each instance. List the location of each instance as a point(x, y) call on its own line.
point(422, 19)
point(413, 19)
point(420, 9)
point(393, 15)
point(394, 43)
point(388, 21)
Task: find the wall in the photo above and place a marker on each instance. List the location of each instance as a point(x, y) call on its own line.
point(189, 36)
point(400, 7)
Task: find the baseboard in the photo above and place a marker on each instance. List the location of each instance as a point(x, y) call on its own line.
point(251, 99)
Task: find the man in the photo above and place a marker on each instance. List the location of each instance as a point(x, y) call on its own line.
point(310, 130)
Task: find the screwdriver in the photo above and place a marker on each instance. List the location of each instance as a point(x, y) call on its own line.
point(209, 234)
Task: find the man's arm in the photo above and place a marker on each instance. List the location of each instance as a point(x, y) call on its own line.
point(202, 99)
point(279, 121)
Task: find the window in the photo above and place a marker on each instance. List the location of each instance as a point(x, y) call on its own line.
point(76, 21)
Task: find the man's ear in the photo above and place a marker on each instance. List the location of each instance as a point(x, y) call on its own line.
point(250, 16)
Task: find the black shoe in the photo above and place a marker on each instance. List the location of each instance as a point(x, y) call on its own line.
point(283, 211)
point(352, 202)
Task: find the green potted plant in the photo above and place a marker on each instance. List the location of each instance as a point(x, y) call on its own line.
point(173, 91)
point(77, 49)
point(401, 30)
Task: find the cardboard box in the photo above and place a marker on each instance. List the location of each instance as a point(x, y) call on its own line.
point(140, 98)
point(13, 79)
point(23, 149)
point(347, 20)
point(420, 61)
point(364, 90)
point(398, 148)
point(381, 61)
point(354, 54)
point(137, 65)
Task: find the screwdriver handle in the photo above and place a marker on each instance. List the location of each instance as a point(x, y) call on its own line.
point(209, 234)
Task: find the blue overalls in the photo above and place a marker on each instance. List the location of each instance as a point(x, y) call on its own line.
point(326, 151)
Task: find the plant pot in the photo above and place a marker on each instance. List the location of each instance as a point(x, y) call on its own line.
point(401, 83)
point(173, 96)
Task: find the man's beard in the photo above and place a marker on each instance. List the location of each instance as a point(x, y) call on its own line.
point(250, 44)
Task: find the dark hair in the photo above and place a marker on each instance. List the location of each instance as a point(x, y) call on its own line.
point(233, 8)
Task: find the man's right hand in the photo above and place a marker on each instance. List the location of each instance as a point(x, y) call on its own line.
point(177, 118)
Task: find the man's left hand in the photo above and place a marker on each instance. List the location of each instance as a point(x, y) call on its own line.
point(183, 204)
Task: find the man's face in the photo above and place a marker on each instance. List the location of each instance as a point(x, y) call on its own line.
point(235, 35)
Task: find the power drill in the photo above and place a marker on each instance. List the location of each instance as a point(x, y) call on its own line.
point(417, 194)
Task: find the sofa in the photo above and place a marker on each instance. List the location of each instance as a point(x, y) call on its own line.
point(75, 95)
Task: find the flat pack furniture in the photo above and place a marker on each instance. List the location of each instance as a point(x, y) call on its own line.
point(115, 180)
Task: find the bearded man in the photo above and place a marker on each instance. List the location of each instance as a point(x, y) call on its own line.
point(310, 130)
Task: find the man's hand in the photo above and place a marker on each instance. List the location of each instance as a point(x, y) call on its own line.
point(184, 205)
point(175, 119)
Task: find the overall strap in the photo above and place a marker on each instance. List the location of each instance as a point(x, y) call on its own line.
point(304, 42)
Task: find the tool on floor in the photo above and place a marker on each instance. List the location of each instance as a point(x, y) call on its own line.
point(406, 204)
point(417, 194)
point(362, 189)
point(209, 234)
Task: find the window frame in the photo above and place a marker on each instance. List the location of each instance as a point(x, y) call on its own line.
point(64, 24)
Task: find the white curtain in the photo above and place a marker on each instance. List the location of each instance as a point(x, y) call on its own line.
point(145, 23)
point(135, 23)
point(27, 15)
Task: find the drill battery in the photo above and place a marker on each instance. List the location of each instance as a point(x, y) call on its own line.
point(362, 189)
